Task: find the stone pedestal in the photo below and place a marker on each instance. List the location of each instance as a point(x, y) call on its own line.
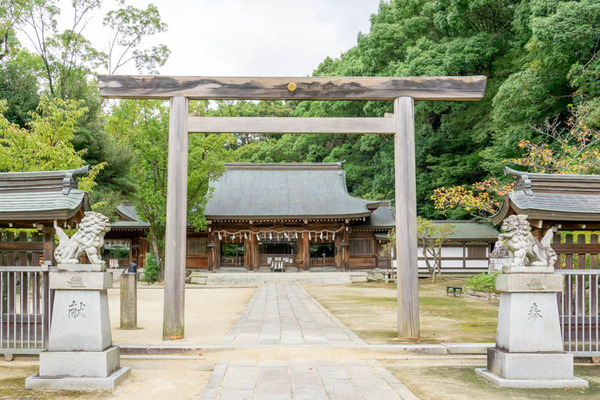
point(128, 301)
point(80, 353)
point(529, 347)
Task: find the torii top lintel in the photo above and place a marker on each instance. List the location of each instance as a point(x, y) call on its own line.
point(301, 88)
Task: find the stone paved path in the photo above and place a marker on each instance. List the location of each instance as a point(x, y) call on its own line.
point(284, 314)
point(303, 380)
point(281, 314)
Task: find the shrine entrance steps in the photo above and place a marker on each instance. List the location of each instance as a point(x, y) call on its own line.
point(258, 278)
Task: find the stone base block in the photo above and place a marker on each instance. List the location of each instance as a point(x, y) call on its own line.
point(530, 365)
point(81, 267)
point(81, 280)
point(98, 364)
point(37, 382)
point(80, 321)
point(532, 383)
point(512, 269)
point(529, 323)
point(534, 283)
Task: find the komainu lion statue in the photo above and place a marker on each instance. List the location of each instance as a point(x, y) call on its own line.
point(524, 249)
point(89, 239)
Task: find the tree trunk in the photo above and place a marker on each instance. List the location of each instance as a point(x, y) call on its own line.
point(429, 267)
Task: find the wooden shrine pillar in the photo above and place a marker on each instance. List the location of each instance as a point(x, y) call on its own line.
point(48, 252)
point(254, 251)
point(176, 226)
point(247, 254)
point(346, 249)
point(305, 252)
point(406, 218)
point(211, 252)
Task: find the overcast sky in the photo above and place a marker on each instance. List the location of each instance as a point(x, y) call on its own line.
point(249, 37)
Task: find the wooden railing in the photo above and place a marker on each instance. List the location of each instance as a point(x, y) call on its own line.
point(232, 261)
point(579, 250)
point(26, 251)
point(322, 262)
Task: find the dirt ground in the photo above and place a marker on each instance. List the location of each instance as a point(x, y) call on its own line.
point(369, 309)
point(210, 313)
point(156, 379)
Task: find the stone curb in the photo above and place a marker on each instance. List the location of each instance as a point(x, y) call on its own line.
point(425, 349)
point(468, 348)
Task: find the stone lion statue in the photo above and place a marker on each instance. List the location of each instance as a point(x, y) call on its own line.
point(89, 239)
point(524, 249)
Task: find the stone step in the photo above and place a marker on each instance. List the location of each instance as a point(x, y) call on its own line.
point(255, 278)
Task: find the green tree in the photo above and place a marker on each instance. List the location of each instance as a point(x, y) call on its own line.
point(45, 143)
point(19, 87)
point(129, 26)
point(431, 237)
point(145, 124)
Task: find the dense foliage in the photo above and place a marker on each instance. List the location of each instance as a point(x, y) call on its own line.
point(541, 60)
point(483, 282)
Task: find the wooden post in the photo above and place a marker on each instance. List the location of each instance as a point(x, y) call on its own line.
point(406, 219)
point(247, 254)
point(255, 251)
point(305, 252)
point(176, 226)
point(346, 249)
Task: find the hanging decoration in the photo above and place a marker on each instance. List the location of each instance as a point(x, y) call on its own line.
point(283, 235)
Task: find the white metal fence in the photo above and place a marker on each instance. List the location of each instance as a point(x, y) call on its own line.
point(578, 307)
point(25, 308)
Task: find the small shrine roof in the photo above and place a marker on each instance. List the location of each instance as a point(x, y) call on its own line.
point(36, 197)
point(554, 197)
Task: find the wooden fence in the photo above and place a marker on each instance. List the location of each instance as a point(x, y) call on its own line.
point(23, 250)
point(579, 250)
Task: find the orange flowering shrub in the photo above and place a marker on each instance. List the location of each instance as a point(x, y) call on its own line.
point(574, 149)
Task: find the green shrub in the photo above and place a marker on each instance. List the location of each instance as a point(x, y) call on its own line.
point(483, 282)
point(151, 268)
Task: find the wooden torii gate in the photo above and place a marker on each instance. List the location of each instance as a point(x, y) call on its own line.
point(403, 91)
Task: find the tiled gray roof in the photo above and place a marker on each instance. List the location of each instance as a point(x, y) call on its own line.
point(382, 218)
point(129, 219)
point(552, 197)
point(129, 225)
point(557, 202)
point(286, 191)
point(44, 196)
point(37, 206)
point(127, 212)
point(469, 230)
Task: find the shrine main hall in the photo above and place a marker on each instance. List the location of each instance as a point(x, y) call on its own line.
point(298, 216)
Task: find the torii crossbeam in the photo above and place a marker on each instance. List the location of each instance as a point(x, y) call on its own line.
point(402, 90)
